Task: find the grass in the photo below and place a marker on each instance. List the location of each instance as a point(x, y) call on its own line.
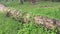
point(10, 26)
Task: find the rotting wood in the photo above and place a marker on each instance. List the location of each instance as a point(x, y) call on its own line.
point(47, 22)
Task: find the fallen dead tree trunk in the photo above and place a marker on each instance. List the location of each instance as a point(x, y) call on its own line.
point(19, 16)
point(26, 18)
point(38, 20)
point(2, 7)
point(46, 22)
point(15, 14)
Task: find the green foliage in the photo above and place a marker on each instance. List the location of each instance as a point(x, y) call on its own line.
point(10, 26)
